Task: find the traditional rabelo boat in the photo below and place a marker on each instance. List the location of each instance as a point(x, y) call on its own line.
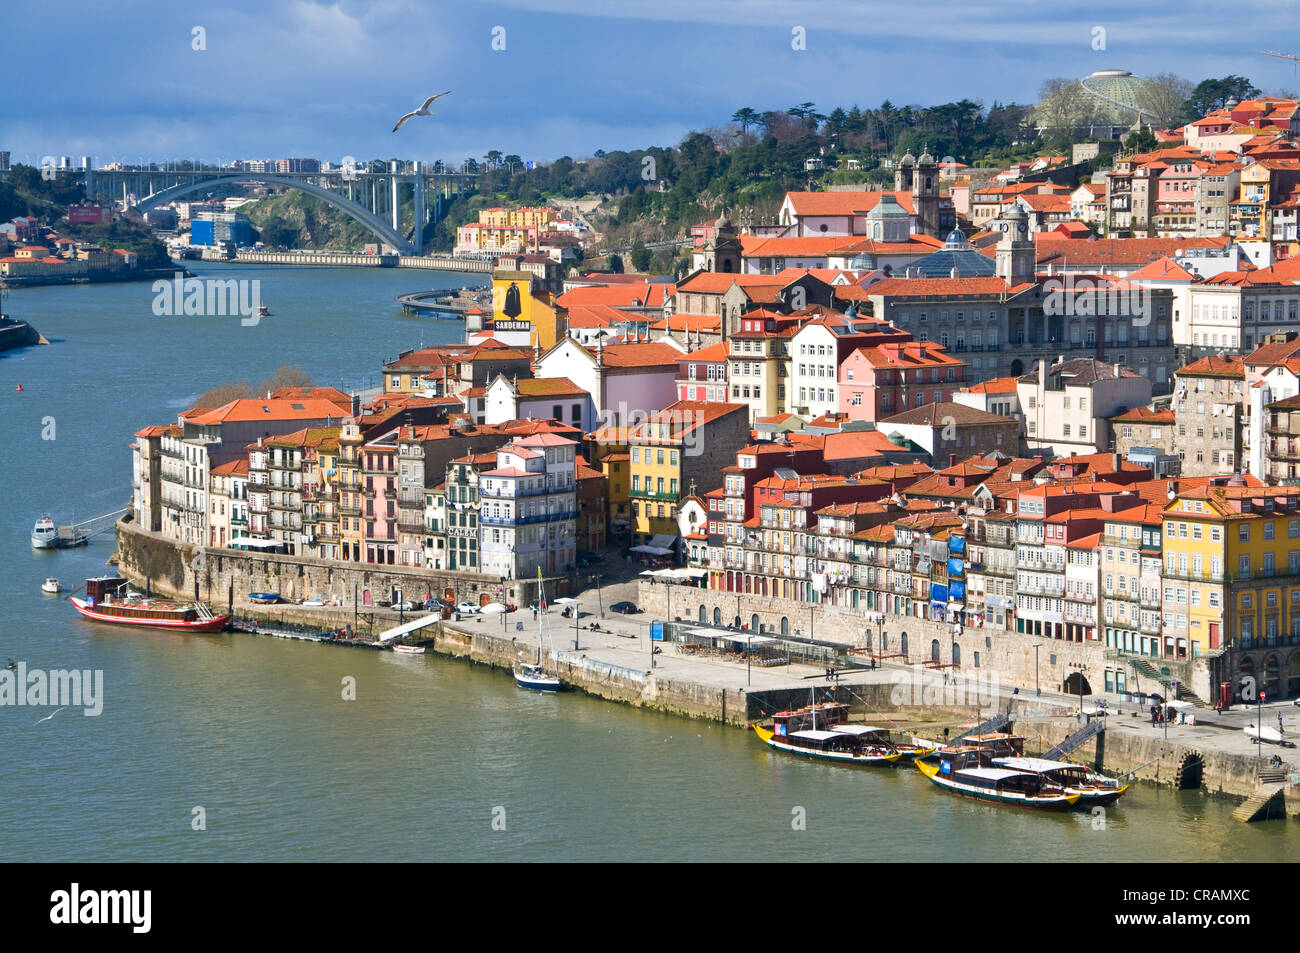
point(823, 731)
point(1092, 788)
point(104, 603)
point(968, 770)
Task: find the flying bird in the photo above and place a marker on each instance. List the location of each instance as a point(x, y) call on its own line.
point(422, 111)
point(51, 714)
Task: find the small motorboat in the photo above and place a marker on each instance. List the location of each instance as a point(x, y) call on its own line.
point(45, 535)
point(409, 649)
point(263, 311)
point(52, 586)
point(265, 598)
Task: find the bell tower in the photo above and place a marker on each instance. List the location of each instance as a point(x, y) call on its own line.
point(722, 249)
point(1015, 251)
point(925, 195)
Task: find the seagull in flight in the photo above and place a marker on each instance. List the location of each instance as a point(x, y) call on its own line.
point(51, 714)
point(422, 111)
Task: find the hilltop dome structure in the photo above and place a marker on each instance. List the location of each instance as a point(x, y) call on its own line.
point(1118, 97)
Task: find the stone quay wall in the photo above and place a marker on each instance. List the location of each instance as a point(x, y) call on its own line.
point(212, 574)
point(1007, 656)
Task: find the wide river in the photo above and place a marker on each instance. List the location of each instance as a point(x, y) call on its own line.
point(250, 738)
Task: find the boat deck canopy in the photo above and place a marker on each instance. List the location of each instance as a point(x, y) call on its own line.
point(817, 735)
point(856, 729)
point(989, 774)
point(1035, 765)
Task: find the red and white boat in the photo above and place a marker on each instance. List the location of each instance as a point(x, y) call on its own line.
point(103, 603)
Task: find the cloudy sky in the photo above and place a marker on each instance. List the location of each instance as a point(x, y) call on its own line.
point(328, 78)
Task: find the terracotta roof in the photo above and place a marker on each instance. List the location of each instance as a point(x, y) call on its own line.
point(641, 355)
point(999, 385)
point(548, 387)
point(943, 412)
point(844, 203)
point(1144, 415)
point(929, 287)
point(1214, 367)
point(250, 408)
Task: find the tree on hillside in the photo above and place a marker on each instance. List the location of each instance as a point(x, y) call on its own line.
point(1063, 106)
point(745, 118)
point(282, 376)
point(1212, 94)
point(640, 257)
point(1163, 98)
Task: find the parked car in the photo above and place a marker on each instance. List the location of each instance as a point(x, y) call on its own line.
point(627, 608)
point(403, 607)
point(467, 607)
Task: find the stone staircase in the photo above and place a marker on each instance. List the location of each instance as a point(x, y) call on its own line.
point(1146, 669)
point(1268, 801)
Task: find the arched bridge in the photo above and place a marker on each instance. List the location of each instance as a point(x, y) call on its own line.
point(334, 188)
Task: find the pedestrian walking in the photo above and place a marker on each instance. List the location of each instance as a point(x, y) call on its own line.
point(1153, 716)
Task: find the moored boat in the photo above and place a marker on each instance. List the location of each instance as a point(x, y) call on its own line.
point(265, 598)
point(535, 677)
point(1092, 788)
point(999, 785)
point(45, 535)
point(409, 649)
point(52, 586)
point(104, 604)
point(842, 743)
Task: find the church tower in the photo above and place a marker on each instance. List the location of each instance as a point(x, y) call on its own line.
point(722, 250)
point(903, 174)
point(1015, 252)
point(925, 195)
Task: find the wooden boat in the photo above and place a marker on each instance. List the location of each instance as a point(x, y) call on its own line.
point(1092, 788)
point(104, 604)
point(52, 586)
point(844, 744)
point(409, 649)
point(265, 598)
point(999, 785)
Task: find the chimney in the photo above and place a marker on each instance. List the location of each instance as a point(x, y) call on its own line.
point(952, 459)
point(1114, 463)
point(1117, 370)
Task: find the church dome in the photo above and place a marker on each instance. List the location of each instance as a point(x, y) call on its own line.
point(956, 258)
point(926, 158)
point(908, 159)
point(863, 261)
point(723, 221)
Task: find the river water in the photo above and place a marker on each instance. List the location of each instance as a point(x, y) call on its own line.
point(251, 739)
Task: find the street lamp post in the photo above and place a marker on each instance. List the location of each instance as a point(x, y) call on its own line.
point(1037, 690)
point(576, 613)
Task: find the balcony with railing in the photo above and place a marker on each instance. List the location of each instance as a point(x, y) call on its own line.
point(647, 494)
point(517, 520)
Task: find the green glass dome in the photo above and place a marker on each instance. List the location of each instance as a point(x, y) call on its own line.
point(1117, 95)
